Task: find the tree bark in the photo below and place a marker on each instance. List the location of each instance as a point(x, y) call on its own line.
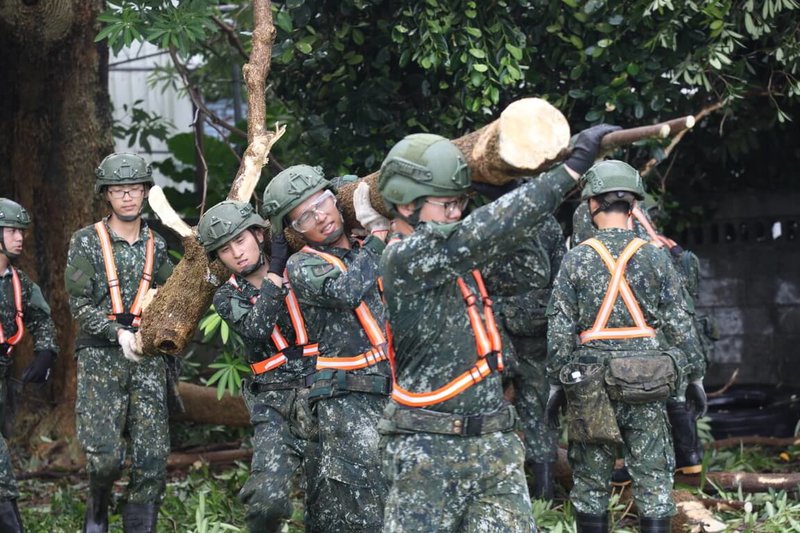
point(171, 320)
point(55, 127)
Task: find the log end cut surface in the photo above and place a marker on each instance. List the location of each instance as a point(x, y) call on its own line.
point(531, 132)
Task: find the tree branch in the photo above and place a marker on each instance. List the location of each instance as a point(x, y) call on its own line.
point(233, 38)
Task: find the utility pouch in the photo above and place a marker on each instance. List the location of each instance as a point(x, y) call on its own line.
point(641, 379)
point(590, 416)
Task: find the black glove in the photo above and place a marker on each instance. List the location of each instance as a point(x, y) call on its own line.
point(557, 401)
point(39, 369)
point(696, 399)
point(279, 253)
point(587, 146)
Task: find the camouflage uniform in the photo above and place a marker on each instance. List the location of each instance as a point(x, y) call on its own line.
point(579, 290)
point(116, 396)
point(472, 481)
point(39, 324)
point(283, 431)
point(537, 261)
point(350, 490)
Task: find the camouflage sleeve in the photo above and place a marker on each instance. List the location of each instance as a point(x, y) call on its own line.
point(79, 280)
point(562, 316)
point(254, 321)
point(553, 239)
point(676, 314)
point(317, 282)
point(488, 233)
point(36, 316)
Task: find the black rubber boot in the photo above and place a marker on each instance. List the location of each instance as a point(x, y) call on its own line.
point(592, 523)
point(10, 521)
point(96, 519)
point(139, 517)
point(688, 456)
point(655, 525)
point(542, 488)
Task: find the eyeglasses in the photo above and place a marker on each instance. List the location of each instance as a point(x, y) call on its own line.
point(120, 193)
point(308, 218)
point(450, 207)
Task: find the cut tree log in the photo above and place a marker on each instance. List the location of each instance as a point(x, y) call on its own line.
point(202, 407)
point(171, 319)
point(529, 137)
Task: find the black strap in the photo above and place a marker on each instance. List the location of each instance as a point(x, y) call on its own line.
point(300, 383)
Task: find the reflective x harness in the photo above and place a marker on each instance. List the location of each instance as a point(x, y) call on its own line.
point(487, 343)
point(117, 307)
point(278, 339)
point(617, 286)
point(16, 337)
point(375, 334)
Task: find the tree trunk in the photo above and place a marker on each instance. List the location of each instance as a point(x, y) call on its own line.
point(55, 126)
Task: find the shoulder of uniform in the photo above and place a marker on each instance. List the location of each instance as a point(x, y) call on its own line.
point(86, 231)
point(304, 265)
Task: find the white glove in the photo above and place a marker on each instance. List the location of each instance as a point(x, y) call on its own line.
point(130, 345)
point(365, 213)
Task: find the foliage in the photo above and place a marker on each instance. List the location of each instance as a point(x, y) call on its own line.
point(229, 366)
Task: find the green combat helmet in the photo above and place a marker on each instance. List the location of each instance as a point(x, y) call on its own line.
point(224, 222)
point(122, 169)
point(289, 189)
point(611, 176)
point(422, 165)
point(13, 215)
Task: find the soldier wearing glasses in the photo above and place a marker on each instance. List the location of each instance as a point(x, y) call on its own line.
point(336, 281)
point(110, 266)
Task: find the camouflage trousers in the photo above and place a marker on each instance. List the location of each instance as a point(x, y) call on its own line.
point(283, 444)
point(531, 390)
point(647, 451)
point(118, 398)
point(350, 491)
point(449, 483)
point(8, 483)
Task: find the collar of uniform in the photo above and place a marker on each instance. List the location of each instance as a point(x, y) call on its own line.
point(245, 287)
point(617, 231)
point(6, 272)
point(144, 234)
point(336, 250)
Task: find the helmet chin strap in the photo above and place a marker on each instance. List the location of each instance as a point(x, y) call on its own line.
point(3, 249)
point(252, 268)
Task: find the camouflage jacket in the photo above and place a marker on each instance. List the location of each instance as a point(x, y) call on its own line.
point(535, 262)
point(328, 298)
point(87, 286)
point(35, 312)
point(253, 313)
point(433, 338)
point(579, 291)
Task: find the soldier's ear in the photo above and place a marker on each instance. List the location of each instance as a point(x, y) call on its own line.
point(406, 209)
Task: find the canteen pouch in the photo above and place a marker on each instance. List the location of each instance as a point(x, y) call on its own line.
point(590, 416)
point(641, 379)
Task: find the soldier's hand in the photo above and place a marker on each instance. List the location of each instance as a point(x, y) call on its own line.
point(587, 147)
point(365, 213)
point(696, 399)
point(556, 403)
point(39, 369)
point(279, 253)
point(130, 346)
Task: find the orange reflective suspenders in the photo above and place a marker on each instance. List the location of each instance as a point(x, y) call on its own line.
point(16, 337)
point(371, 327)
point(117, 307)
point(487, 343)
point(618, 285)
point(280, 342)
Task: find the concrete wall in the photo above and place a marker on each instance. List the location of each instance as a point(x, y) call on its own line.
point(750, 267)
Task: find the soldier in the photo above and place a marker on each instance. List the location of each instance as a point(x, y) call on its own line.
point(110, 267)
point(452, 456)
point(336, 281)
point(615, 294)
point(22, 307)
point(523, 315)
point(683, 414)
point(259, 305)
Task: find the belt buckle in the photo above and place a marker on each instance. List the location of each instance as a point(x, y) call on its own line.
point(468, 426)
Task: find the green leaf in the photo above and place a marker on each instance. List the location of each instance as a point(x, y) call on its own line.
point(303, 47)
point(515, 51)
point(576, 41)
point(480, 67)
point(477, 53)
point(475, 32)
